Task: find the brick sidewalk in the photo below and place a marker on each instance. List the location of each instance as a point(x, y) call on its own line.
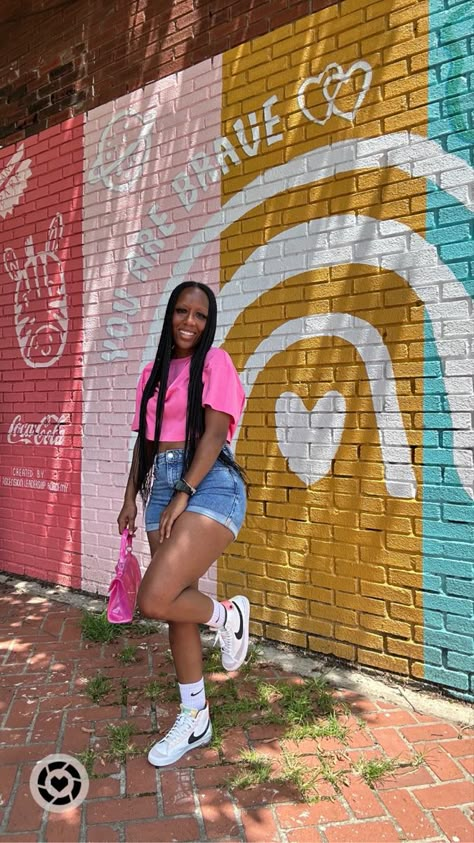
point(44, 710)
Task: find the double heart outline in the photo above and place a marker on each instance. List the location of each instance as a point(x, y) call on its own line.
point(335, 74)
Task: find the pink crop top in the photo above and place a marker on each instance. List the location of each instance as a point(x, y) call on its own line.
point(222, 390)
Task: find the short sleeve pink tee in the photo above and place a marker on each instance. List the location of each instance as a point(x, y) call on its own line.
point(222, 390)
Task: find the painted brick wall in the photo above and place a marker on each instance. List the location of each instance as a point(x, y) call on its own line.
point(311, 163)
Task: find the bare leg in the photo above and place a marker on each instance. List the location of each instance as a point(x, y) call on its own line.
point(199, 548)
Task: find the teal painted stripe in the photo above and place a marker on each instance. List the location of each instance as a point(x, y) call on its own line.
point(448, 553)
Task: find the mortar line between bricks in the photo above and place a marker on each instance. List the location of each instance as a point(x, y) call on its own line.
point(198, 809)
point(456, 764)
point(123, 780)
point(159, 794)
point(44, 823)
point(396, 729)
point(122, 832)
point(8, 650)
point(83, 823)
point(238, 815)
point(429, 811)
point(33, 720)
point(73, 678)
point(10, 803)
point(62, 729)
point(281, 833)
point(9, 708)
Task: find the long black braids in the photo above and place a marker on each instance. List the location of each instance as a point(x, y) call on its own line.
point(159, 378)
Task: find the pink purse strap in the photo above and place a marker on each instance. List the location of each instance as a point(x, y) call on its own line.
point(125, 547)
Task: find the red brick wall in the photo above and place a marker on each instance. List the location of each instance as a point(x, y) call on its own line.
point(61, 59)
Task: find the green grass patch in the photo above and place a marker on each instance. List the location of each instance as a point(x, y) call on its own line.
point(121, 745)
point(95, 627)
point(257, 769)
point(331, 727)
point(374, 769)
point(212, 662)
point(300, 706)
point(228, 709)
point(88, 758)
point(98, 687)
point(128, 655)
point(153, 690)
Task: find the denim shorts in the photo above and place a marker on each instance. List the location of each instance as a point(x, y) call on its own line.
point(220, 495)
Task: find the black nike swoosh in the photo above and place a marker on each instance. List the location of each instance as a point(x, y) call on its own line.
point(197, 692)
point(240, 631)
point(193, 738)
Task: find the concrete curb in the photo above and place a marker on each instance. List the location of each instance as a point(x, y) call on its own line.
point(409, 695)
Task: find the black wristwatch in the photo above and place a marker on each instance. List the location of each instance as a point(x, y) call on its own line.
point(182, 486)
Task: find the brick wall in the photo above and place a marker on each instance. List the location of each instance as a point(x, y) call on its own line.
point(311, 162)
point(62, 59)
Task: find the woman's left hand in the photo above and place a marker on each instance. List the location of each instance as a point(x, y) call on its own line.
point(176, 506)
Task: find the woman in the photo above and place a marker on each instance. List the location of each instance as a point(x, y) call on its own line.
point(189, 402)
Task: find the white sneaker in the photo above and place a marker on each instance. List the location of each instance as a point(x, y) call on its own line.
point(233, 637)
point(192, 729)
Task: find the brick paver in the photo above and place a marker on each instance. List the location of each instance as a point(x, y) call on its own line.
point(44, 663)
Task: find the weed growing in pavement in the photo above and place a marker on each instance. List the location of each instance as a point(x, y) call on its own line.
point(302, 710)
point(300, 706)
point(153, 690)
point(96, 627)
point(329, 728)
point(228, 708)
point(98, 687)
point(254, 657)
point(374, 769)
point(128, 654)
point(295, 772)
point(417, 759)
point(257, 770)
point(330, 772)
point(121, 746)
point(88, 758)
point(211, 662)
point(143, 627)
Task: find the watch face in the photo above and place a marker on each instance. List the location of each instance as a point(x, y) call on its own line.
point(182, 486)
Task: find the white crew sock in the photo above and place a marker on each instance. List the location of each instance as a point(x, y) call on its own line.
point(219, 615)
point(193, 695)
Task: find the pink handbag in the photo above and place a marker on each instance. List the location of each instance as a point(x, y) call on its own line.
point(123, 589)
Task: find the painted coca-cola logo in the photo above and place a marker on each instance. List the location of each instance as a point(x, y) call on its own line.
point(49, 431)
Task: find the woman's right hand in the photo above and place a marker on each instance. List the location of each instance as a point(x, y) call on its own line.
point(127, 517)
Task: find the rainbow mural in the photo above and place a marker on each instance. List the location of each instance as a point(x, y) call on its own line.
point(319, 179)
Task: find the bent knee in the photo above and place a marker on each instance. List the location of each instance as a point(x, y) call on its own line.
point(151, 605)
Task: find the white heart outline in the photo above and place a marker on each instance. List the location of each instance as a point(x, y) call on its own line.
point(337, 73)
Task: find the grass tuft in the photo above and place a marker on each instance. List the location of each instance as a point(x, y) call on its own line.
point(128, 654)
point(329, 728)
point(121, 746)
point(98, 687)
point(257, 770)
point(374, 769)
point(88, 758)
point(95, 627)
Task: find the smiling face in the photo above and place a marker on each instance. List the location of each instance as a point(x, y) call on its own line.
point(189, 320)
